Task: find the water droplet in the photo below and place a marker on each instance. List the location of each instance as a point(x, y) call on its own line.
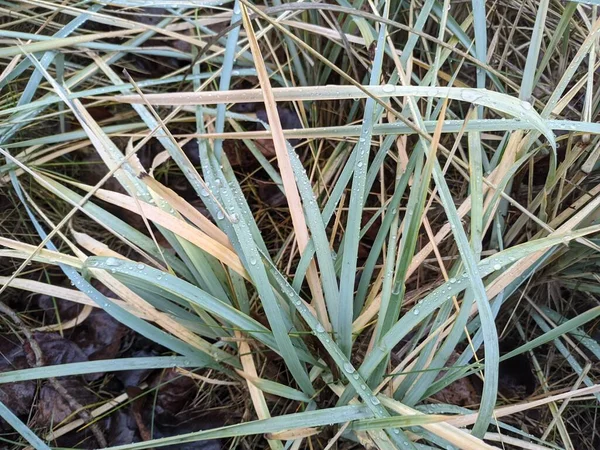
point(252, 261)
point(375, 400)
point(234, 218)
point(349, 368)
point(497, 266)
point(320, 328)
point(526, 105)
point(220, 215)
point(112, 262)
point(204, 192)
point(388, 88)
point(452, 280)
point(363, 387)
point(416, 312)
point(140, 266)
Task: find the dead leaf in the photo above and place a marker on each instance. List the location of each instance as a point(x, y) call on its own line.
point(53, 408)
point(17, 397)
point(99, 336)
point(461, 393)
point(175, 392)
point(122, 428)
point(289, 120)
point(136, 377)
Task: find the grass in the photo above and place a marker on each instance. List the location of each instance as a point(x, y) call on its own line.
point(443, 201)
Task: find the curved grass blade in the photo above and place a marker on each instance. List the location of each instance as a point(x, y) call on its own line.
point(483, 97)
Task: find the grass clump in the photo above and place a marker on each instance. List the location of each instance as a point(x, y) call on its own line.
point(343, 223)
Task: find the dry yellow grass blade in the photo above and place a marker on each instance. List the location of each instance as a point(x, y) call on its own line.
point(294, 434)
point(258, 397)
point(80, 318)
point(568, 97)
point(188, 211)
point(10, 66)
point(111, 404)
point(204, 379)
point(508, 159)
point(287, 173)
point(71, 295)
point(175, 225)
point(502, 438)
point(446, 430)
point(513, 409)
point(93, 246)
point(24, 251)
point(158, 160)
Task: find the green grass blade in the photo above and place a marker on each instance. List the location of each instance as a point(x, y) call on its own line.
point(82, 368)
point(21, 428)
point(357, 198)
point(273, 425)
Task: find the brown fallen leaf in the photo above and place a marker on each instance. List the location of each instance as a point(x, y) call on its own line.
point(461, 393)
point(52, 408)
point(17, 397)
point(173, 395)
point(289, 120)
point(99, 336)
